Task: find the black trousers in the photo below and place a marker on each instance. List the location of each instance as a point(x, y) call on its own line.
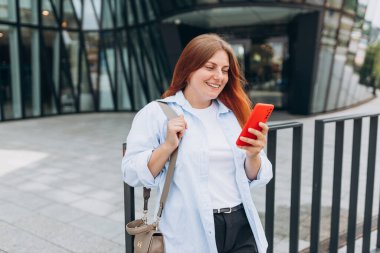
point(233, 233)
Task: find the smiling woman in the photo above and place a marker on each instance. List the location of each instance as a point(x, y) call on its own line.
point(210, 188)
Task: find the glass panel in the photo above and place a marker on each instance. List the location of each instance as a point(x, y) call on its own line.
point(97, 6)
point(123, 99)
point(107, 19)
point(86, 98)
point(5, 74)
point(149, 68)
point(15, 72)
point(354, 41)
point(70, 69)
point(150, 10)
point(92, 51)
point(336, 78)
point(343, 91)
point(71, 42)
point(48, 16)
point(105, 90)
point(69, 16)
point(50, 78)
point(346, 24)
point(295, 1)
point(78, 8)
point(140, 92)
point(120, 13)
point(324, 68)
point(316, 2)
point(334, 3)
point(265, 68)
point(112, 5)
point(331, 23)
point(130, 14)
point(189, 3)
point(361, 9)
point(350, 6)
point(67, 97)
point(137, 11)
point(150, 47)
point(109, 50)
point(207, 1)
point(90, 20)
point(30, 72)
point(28, 11)
point(8, 10)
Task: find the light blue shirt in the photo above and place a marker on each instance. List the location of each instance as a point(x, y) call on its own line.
point(187, 221)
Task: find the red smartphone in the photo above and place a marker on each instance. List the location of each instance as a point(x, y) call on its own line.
point(260, 113)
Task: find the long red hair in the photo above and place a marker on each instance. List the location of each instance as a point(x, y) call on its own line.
point(196, 53)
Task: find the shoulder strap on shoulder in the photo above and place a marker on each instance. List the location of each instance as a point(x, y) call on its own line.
point(170, 113)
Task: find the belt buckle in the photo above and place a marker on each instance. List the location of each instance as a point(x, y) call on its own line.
point(229, 211)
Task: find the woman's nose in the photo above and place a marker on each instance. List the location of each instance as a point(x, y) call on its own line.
point(218, 74)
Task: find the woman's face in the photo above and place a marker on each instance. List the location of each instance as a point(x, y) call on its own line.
point(206, 83)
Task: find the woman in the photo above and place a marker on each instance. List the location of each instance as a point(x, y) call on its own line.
point(209, 207)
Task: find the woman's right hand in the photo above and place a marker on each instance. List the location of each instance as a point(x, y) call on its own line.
point(175, 130)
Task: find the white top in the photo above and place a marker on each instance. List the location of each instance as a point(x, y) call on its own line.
point(222, 184)
point(188, 212)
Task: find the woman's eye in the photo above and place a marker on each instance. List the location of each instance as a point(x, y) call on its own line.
point(209, 67)
point(225, 70)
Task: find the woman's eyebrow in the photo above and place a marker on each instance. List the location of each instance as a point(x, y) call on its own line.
point(213, 63)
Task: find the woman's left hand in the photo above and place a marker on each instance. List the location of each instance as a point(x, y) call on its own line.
point(255, 146)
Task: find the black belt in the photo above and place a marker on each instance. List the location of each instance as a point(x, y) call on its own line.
point(228, 209)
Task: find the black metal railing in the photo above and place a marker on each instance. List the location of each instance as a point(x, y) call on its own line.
point(351, 234)
point(129, 210)
point(295, 184)
point(335, 234)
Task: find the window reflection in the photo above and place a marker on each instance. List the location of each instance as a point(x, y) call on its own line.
point(69, 15)
point(316, 2)
point(331, 23)
point(90, 18)
point(334, 3)
point(350, 6)
point(5, 74)
point(266, 71)
point(8, 10)
point(47, 14)
point(28, 11)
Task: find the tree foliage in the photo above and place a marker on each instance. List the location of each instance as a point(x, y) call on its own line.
point(370, 71)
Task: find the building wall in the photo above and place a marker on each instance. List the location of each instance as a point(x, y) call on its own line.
point(71, 56)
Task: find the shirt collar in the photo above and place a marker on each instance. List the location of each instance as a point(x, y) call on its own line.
point(180, 99)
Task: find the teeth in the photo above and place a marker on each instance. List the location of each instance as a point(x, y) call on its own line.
point(214, 85)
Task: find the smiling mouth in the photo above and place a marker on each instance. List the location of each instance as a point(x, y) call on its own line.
point(213, 85)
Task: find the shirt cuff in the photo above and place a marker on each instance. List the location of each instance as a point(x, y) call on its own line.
point(144, 174)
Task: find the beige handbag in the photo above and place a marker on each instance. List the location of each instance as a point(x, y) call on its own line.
point(148, 238)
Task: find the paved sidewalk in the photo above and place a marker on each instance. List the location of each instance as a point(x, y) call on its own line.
point(61, 188)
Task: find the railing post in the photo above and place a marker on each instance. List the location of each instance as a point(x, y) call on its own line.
point(337, 186)
point(270, 193)
point(129, 211)
point(354, 185)
point(295, 189)
point(129, 214)
point(378, 230)
point(370, 184)
point(317, 186)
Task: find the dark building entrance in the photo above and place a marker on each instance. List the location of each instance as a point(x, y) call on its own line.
point(276, 54)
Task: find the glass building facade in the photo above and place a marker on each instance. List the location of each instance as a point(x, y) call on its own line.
point(72, 56)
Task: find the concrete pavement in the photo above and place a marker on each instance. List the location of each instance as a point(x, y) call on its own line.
point(61, 188)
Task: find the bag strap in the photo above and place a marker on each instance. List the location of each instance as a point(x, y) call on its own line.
point(170, 113)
